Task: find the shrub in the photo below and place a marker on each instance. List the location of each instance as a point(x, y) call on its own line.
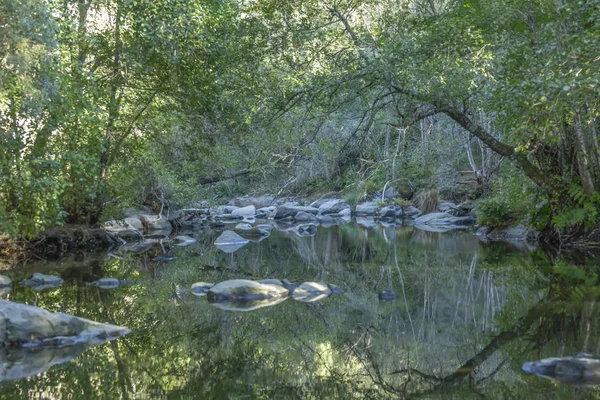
point(493, 212)
point(427, 200)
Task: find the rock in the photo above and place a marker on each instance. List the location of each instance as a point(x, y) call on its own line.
point(105, 282)
point(24, 325)
point(195, 212)
point(311, 291)
point(346, 212)
point(42, 280)
point(247, 305)
point(303, 216)
point(243, 227)
point(318, 203)
point(411, 211)
point(366, 222)
point(248, 211)
point(153, 224)
point(289, 286)
point(438, 228)
point(230, 237)
point(367, 209)
point(390, 212)
point(335, 290)
point(387, 295)
point(135, 223)
point(580, 370)
point(258, 202)
point(245, 290)
point(333, 207)
point(463, 209)
point(183, 240)
point(330, 220)
point(446, 206)
point(442, 218)
point(518, 232)
point(112, 283)
point(5, 281)
point(287, 211)
point(306, 230)
point(201, 288)
point(253, 233)
point(5, 291)
point(265, 212)
point(20, 363)
point(122, 230)
point(390, 193)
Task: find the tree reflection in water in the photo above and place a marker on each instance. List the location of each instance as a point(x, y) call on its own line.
point(467, 316)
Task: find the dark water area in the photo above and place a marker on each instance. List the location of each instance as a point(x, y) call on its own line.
point(467, 315)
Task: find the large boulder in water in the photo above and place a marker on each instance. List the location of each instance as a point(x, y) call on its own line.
point(24, 325)
point(245, 290)
point(335, 206)
point(577, 370)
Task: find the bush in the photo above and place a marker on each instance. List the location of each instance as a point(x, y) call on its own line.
point(427, 200)
point(493, 212)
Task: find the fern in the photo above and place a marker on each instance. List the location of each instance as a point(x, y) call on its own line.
point(583, 210)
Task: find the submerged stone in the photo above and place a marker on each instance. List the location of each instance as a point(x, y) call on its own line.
point(247, 305)
point(244, 289)
point(579, 370)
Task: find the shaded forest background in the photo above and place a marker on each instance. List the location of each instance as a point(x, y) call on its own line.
point(106, 104)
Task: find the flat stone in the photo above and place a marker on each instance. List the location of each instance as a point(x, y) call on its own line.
point(248, 211)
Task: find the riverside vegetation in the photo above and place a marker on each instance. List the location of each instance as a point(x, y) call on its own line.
point(105, 105)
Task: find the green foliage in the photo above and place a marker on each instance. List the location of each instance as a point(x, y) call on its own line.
point(581, 210)
point(399, 201)
point(494, 213)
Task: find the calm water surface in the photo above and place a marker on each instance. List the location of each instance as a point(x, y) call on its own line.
point(468, 314)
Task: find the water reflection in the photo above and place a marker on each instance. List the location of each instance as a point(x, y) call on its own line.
point(466, 316)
